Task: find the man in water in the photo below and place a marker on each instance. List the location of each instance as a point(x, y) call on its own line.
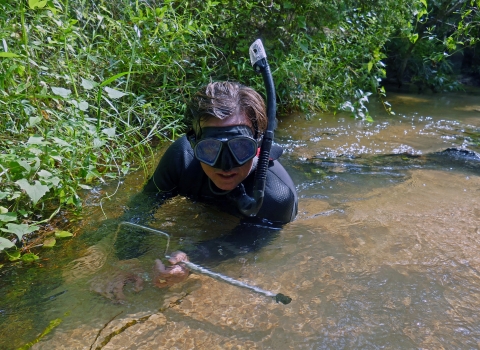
point(208, 164)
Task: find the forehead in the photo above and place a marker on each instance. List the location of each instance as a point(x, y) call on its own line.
point(235, 119)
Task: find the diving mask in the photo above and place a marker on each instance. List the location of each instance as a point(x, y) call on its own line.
point(224, 147)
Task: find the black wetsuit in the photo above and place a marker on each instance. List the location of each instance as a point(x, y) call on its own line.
point(180, 173)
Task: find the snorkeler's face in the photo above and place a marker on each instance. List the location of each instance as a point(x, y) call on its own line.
point(227, 172)
point(225, 147)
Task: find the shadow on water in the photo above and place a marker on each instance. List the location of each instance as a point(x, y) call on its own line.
point(383, 254)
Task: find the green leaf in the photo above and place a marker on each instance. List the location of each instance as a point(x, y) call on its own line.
point(85, 187)
point(29, 257)
point(8, 54)
point(61, 142)
point(44, 173)
point(57, 158)
point(15, 195)
point(48, 178)
point(88, 84)
point(24, 213)
point(97, 143)
point(49, 242)
point(13, 256)
point(61, 91)
point(83, 106)
point(35, 192)
point(302, 24)
point(3, 210)
point(63, 234)
point(37, 140)
point(54, 180)
point(35, 151)
point(115, 77)
point(34, 121)
point(370, 65)
point(413, 38)
point(20, 229)
point(33, 4)
point(304, 46)
point(112, 93)
point(5, 243)
point(110, 132)
point(8, 217)
point(451, 43)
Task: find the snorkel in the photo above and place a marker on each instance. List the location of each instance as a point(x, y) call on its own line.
point(247, 205)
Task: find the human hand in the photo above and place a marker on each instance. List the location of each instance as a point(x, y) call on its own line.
point(168, 276)
point(110, 284)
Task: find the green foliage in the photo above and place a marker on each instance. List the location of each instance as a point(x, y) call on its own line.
point(422, 49)
point(5, 243)
point(69, 118)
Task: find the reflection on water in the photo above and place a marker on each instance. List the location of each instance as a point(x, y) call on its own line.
point(383, 254)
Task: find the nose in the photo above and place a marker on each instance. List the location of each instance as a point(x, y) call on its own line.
point(226, 160)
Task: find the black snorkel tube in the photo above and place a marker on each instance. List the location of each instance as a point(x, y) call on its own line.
point(247, 205)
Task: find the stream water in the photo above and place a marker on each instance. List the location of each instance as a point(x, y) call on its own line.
point(383, 253)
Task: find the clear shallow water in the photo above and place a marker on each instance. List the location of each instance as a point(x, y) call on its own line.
point(383, 254)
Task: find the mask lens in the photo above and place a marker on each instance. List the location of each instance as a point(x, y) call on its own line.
point(207, 151)
point(242, 148)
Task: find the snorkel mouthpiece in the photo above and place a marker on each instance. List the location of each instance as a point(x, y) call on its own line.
point(247, 205)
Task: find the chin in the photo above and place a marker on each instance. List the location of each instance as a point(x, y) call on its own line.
point(226, 187)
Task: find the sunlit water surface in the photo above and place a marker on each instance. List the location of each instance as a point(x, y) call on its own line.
point(383, 254)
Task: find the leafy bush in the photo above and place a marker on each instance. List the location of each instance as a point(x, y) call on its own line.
point(70, 118)
point(420, 51)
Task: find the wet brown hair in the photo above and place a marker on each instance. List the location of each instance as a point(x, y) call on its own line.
point(224, 99)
